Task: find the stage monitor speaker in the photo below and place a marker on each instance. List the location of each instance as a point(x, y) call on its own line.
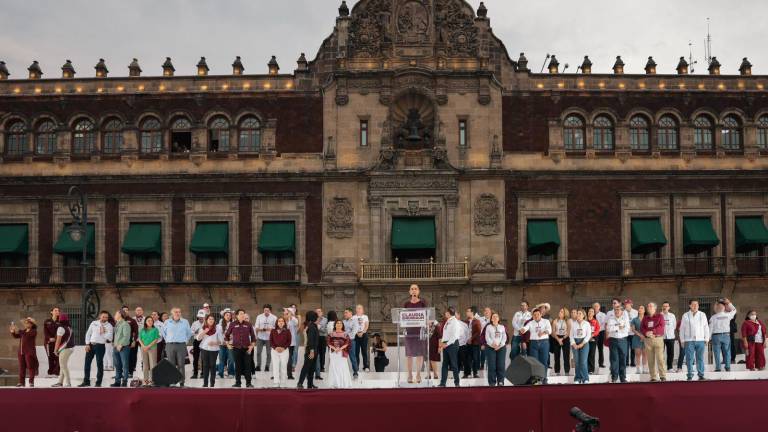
point(526, 371)
point(165, 374)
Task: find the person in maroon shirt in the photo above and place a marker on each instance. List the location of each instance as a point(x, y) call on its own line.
point(49, 333)
point(652, 327)
point(27, 355)
point(242, 340)
point(472, 349)
point(280, 342)
point(753, 335)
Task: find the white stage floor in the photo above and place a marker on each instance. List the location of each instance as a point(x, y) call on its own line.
point(389, 378)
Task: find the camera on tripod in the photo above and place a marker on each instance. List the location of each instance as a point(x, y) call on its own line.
point(586, 423)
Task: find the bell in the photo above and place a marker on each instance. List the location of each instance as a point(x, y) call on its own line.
point(414, 134)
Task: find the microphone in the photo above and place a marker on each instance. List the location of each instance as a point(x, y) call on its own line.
point(584, 418)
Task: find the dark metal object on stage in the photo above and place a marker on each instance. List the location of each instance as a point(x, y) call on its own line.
point(78, 230)
point(526, 370)
point(586, 423)
point(165, 374)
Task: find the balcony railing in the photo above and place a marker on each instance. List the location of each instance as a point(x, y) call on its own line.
point(756, 265)
point(591, 269)
point(414, 271)
point(36, 276)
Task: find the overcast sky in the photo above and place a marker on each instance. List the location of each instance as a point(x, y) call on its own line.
point(85, 30)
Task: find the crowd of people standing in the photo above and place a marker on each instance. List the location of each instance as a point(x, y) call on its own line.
point(230, 343)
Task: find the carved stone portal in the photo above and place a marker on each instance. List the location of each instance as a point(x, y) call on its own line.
point(340, 218)
point(486, 217)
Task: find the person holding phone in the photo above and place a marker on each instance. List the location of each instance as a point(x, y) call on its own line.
point(27, 354)
point(539, 330)
point(63, 348)
point(97, 336)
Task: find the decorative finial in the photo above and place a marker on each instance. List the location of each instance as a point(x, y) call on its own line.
point(101, 69)
point(554, 65)
point(586, 66)
point(343, 9)
point(3, 71)
point(202, 67)
point(745, 68)
point(273, 66)
point(650, 67)
point(168, 68)
point(714, 67)
point(302, 62)
point(482, 11)
point(134, 70)
point(34, 70)
point(237, 66)
point(68, 71)
point(618, 67)
point(522, 63)
point(682, 67)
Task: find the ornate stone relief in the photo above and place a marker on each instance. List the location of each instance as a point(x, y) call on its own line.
point(407, 182)
point(486, 264)
point(340, 218)
point(368, 31)
point(413, 23)
point(486, 217)
point(455, 28)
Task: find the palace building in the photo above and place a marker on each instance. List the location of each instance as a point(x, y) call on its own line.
point(412, 148)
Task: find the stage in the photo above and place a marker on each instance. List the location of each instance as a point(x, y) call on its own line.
point(673, 406)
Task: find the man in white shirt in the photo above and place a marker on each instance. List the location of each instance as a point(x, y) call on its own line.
point(670, 324)
point(694, 334)
point(720, 328)
point(99, 332)
point(617, 330)
point(361, 338)
point(631, 314)
point(484, 321)
point(539, 330)
point(265, 322)
point(449, 347)
point(351, 329)
point(197, 327)
point(518, 321)
point(601, 318)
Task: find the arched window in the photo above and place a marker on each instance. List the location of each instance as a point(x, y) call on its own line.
point(573, 133)
point(218, 135)
point(151, 136)
point(250, 135)
point(639, 134)
point(45, 141)
point(731, 133)
point(83, 137)
point(762, 132)
point(112, 142)
point(16, 138)
point(667, 134)
point(703, 134)
point(181, 135)
point(603, 134)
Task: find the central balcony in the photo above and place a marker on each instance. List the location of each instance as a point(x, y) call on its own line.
point(414, 271)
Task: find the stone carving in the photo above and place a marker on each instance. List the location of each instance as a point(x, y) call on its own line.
point(387, 159)
point(403, 182)
point(413, 23)
point(440, 158)
point(340, 218)
point(368, 30)
point(486, 217)
point(456, 29)
point(338, 266)
point(487, 264)
point(413, 208)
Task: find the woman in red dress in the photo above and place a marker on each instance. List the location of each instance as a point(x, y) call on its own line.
point(415, 348)
point(434, 351)
point(27, 354)
point(753, 338)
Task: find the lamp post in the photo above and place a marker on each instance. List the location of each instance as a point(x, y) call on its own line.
point(78, 231)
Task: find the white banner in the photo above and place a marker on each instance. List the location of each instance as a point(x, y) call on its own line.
point(413, 318)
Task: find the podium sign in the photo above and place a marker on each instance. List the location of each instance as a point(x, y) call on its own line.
point(413, 318)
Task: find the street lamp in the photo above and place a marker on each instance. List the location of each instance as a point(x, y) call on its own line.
point(78, 232)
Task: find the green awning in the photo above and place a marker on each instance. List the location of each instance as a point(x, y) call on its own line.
point(143, 238)
point(14, 239)
point(210, 237)
point(65, 245)
point(542, 235)
point(277, 237)
point(647, 235)
point(751, 232)
point(413, 233)
point(698, 233)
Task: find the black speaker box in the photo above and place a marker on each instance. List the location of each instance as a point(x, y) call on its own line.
point(165, 374)
point(526, 371)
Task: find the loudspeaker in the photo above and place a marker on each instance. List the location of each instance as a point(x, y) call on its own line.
point(526, 371)
point(165, 374)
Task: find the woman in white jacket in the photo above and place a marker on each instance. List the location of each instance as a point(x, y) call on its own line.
point(210, 340)
point(495, 350)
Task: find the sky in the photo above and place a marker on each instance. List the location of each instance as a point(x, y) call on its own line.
point(52, 31)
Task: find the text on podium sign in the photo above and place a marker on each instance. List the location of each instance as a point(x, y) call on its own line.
point(413, 318)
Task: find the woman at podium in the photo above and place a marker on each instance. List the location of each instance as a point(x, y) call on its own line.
point(415, 348)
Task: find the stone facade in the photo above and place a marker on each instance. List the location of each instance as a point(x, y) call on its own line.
point(410, 109)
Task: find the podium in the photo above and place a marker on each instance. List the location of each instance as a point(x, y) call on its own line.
point(413, 331)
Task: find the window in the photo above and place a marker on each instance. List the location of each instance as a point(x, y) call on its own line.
point(363, 133)
point(463, 133)
point(151, 136)
point(16, 139)
point(113, 137)
point(603, 134)
point(762, 132)
point(731, 133)
point(218, 135)
point(667, 134)
point(703, 134)
point(181, 136)
point(45, 142)
point(83, 138)
point(573, 133)
point(639, 133)
point(250, 135)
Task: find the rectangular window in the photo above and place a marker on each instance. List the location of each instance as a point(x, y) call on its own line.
point(363, 133)
point(462, 133)
point(762, 138)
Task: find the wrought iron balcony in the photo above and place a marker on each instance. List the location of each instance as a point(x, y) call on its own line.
point(414, 271)
point(49, 275)
point(617, 268)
